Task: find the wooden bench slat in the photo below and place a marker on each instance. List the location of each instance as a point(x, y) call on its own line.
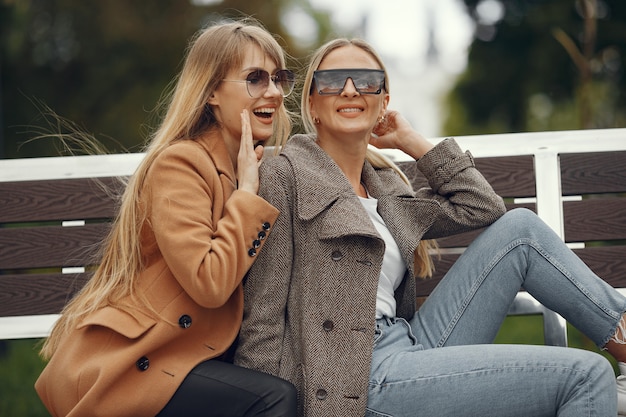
point(595, 219)
point(458, 241)
point(37, 294)
point(69, 199)
point(607, 262)
point(511, 176)
point(51, 246)
point(591, 173)
point(464, 239)
point(442, 264)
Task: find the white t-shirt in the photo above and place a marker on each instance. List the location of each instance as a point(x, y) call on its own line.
point(393, 268)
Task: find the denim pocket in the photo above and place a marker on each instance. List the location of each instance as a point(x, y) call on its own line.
point(372, 413)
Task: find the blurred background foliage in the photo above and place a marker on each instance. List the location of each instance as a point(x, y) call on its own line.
point(532, 65)
point(103, 65)
point(539, 65)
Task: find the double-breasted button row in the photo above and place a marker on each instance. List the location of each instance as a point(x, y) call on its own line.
point(321, 394)
point(184, 321)
point(337, 255)
point(143, 363)
point(328, 325)
point(256, 243)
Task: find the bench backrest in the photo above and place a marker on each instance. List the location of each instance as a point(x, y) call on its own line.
point(50, 229)
point(55, 211)
point(593, 189)
point(578, 190)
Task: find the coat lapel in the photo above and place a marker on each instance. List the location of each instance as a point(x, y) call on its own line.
point(322, 189)
point(217, 151)
point(396, 204)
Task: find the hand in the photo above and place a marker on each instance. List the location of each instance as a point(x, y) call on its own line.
point(248, 159)
point(395, 132)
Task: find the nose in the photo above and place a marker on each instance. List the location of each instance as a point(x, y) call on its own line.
point(349, 89)
point(272, 90)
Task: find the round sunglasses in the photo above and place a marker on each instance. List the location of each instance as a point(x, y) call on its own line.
point(333, 81)
point(258, 81)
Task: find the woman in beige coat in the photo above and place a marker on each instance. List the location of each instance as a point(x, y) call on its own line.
point(149, 333)
point(330, 303)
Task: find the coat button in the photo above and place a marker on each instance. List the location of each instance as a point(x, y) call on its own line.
point(336, 255)
point(328, 325)
point(184, 321)
point(252, 252)
point(143, 364)
point(266, 226)
point(262, 235)
point(321, 394)
point(256, 243)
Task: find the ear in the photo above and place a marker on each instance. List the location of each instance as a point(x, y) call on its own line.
point(311, 108)
point(213, 99)
point(383, 110)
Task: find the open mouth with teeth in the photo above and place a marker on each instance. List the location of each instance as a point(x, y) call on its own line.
point(265, 112)
point(350, 110)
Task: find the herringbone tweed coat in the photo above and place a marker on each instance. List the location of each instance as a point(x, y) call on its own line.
point(309, 300)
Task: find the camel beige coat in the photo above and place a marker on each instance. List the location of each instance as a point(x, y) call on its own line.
point(196, 245)
point(310, 298)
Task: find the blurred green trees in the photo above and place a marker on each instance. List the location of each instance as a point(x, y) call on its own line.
point(533, 65)
point(542, 65)
point(104, 64)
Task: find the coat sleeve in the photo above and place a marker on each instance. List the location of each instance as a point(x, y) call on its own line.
point(203, 230)
point(467, 201)
point(266, 286)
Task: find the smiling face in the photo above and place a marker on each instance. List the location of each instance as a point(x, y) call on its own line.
point(232, 97)
point(348, 112)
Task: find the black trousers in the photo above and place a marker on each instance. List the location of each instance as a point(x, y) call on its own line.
point(221, 389)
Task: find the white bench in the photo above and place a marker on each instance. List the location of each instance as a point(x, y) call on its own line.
point(52, 208)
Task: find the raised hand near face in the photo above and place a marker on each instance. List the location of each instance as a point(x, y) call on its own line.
point(249, 158)
point(393, 131)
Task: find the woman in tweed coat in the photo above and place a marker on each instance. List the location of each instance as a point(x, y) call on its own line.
point(331, 306)
point(150, 332)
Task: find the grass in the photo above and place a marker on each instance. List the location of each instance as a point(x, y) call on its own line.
point(20, 366)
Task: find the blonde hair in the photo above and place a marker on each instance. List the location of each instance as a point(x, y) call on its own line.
point(212, 52)
point(424, 266)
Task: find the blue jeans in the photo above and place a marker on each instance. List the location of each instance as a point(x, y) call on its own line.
point(441, 362)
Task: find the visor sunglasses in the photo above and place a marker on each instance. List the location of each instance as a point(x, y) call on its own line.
point(333, 81)
point(258, 81)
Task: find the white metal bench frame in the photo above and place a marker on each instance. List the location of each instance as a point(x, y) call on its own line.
point(544, 146)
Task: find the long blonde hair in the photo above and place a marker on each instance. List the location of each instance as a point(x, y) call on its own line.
point(212, 52)
point(424, 266)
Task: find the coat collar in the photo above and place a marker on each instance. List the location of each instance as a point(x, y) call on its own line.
point(319, 182)
point(320, 186)
point(213, 142)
